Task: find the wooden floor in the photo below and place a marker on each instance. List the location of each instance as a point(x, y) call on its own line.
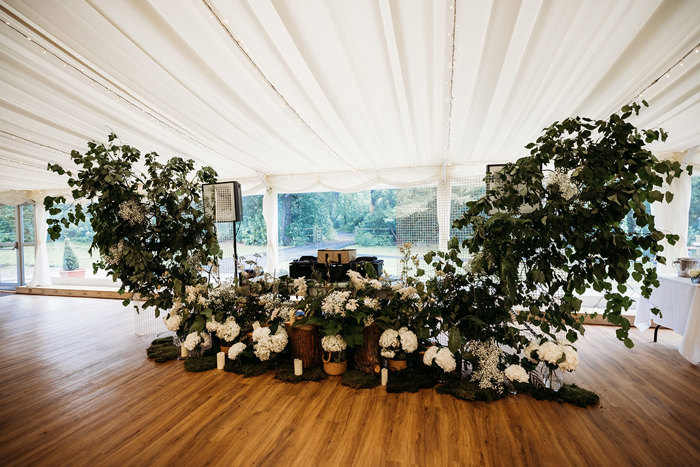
point(76, 389)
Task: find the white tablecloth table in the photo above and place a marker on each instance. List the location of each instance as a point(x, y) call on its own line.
point(678, 299)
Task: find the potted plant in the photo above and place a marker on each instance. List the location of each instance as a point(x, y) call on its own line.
point(227, 331)
point(396, 345)
point(334, 359)
point(71, 267)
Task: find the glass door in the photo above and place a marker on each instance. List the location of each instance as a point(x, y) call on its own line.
point(16, 245)
point(9, 247)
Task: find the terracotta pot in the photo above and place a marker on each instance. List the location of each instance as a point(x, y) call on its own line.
point(76, 273)
point(335, 369)
point(396, 365)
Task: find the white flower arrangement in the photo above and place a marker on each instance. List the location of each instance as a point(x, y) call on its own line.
point(173, 321)
point(442, 357)
point(487, 372)
point(268, 301)
point(356, 280)
point(228, 330)
point(197, 339)
point(553, 354)
point(570, 362)
point(266, 343)
point(300, 286)
point(375, 284)
point(550, 352)
point(236, 350)
point(334, 303)
point(387, 353)
point(196, 294)
point(517, 373)
point(334, 343)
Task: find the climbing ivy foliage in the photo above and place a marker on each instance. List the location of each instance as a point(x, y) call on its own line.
point(150, 228)
point(548, 228)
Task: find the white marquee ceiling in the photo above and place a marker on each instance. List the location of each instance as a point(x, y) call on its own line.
point(332, 94)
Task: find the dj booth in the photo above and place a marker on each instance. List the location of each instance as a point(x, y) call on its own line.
point(310, 267)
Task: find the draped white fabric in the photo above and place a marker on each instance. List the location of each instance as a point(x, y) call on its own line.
point(340, 95)
point(673, 218)
point(271, 214)
point(42, 274)
point(444, 214)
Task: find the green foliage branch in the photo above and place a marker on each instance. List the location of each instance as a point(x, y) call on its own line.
point(537, 246)
point(166, 242)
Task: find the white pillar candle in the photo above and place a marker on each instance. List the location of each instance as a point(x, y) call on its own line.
point(298, 368)
point(183, 351)
point(220, 360)
point(385, 376)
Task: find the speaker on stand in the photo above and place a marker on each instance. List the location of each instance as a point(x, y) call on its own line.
point(223, 201)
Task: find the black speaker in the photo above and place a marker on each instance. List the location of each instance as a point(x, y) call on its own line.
point(223, 201)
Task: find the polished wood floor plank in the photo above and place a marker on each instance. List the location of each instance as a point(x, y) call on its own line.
point(76, 389)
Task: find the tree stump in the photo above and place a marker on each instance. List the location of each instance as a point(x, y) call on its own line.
point(306, 344)
point(367, 355)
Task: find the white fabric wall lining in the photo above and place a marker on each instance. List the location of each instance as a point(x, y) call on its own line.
point(673, 218)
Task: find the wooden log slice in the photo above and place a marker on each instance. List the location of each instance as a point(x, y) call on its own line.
point(306, 344)
point(367, 355)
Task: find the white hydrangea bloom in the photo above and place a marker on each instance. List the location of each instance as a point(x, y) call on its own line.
point(192, 341)
point(236, 350)
point(430, 354)
point(550, 352)
point(228, 330)
point(334, 343)
point(386, 353)
point(367, 321)
point(260, 333)
point(262, 352)
point(445, 360)
point(517, 373)
point(267, 344)
point(571, 362)
point(173, 321)
point(213, 325)
point(409, 340)
point(206, 340)
point(389, 339)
